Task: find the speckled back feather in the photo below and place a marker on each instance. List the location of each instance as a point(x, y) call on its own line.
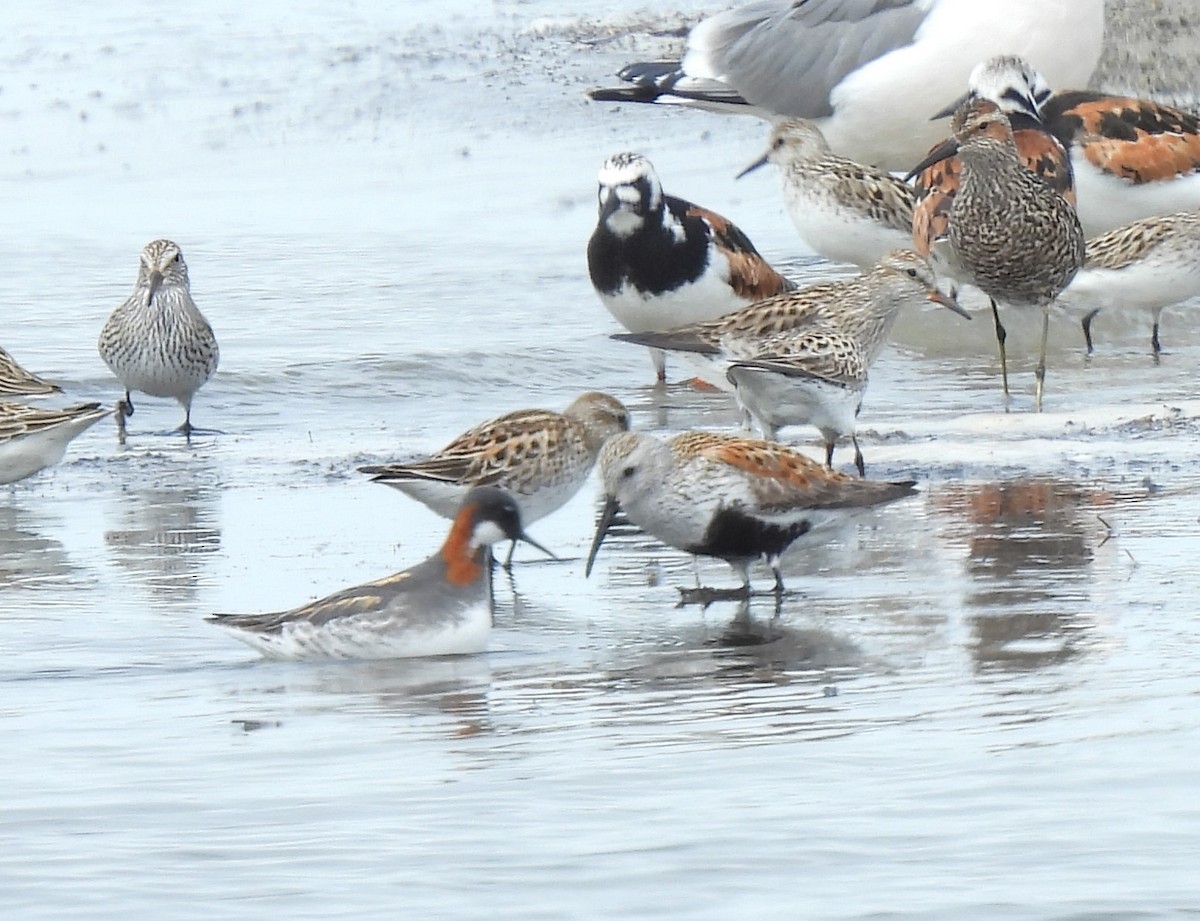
point(16, 381)
point(1125, 246)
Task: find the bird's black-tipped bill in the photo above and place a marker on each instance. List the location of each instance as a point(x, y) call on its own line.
point(761, 161)
point(944, 151)
point(526, 539)
point(607, 516)
point(937, 297)
point(950, 109)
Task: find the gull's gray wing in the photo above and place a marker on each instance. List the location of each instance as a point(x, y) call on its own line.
point(787, 57)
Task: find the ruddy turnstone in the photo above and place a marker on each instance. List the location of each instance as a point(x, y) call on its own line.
point(658, 262)
point(158, 342)
point(1148, 265)
point(1131, 158)
point(1009, 233)
point(441, 607)
point(728, 497)
point(32, 439)
point(844, 211)
point(15, 381)
point(868, 72)
point(540, 456)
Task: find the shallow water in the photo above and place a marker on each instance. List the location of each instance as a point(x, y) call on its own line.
point(978, 702)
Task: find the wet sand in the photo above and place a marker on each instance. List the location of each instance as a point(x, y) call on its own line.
point(1151, 48)
point(385, 222)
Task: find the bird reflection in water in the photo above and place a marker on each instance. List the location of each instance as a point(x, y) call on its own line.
point(28, 559)
point(1030, 548)
point(452, 689)
point(164, 536)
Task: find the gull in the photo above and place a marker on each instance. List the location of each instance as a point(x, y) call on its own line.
point(869, 72)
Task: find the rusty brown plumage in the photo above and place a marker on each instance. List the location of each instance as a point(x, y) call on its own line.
point(936, 185)
point(1138, 140)
point(750, 275)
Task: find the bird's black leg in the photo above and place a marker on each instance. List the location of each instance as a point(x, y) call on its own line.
point(1087, 328)
point(1001, 339)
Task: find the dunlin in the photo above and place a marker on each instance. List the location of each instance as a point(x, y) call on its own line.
point(32, 439)
point(15, 381)
point(728, 497)
point(658, 262)
point(1148, 265)
point(844, 211)
point(870, 73)
point(440, 607)
point(540, 456)
point(158, 342)
point(1010, 234)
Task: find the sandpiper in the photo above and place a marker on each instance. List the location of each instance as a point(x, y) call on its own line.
point(869, 73)
point(815, 376)
point(540, 456)
point(1018, 90)
point(862, 307)
point(158, 342)
point(440, 607)
point(15, 381)
point(844, 211)
point(1010, 234)
point(32, 439)
point(1149, 264)
point(728, 497)
point(658, 262)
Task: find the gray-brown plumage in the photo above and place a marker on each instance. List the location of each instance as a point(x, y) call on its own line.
point(1149, 264)
point(32, 439)
point(1010, 234)
point(15, 381)
point(158, 342)
point(815, 376)
point(439, 607)
point(863, 307)
point(845, 211)
point(541, 456)
point(802, 358)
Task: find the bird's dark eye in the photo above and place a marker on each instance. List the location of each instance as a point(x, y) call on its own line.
point(912, 273)
point(628, 472)
point(178, 257)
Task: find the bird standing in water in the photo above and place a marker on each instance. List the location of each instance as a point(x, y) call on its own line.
point(158, 342)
